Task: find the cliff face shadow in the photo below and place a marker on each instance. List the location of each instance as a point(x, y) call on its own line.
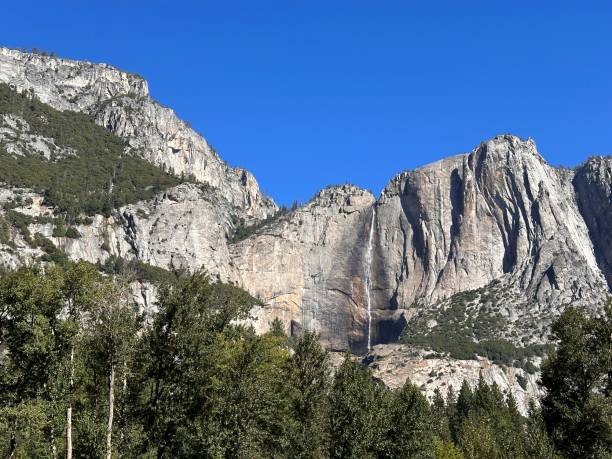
point(388, 330)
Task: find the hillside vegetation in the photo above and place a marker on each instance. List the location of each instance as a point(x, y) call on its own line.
point(197, 383)
point(100, 177)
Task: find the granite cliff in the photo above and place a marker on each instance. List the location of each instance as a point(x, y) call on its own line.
point(483, 247)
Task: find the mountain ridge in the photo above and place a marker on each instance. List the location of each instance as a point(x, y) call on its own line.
point(480, 250)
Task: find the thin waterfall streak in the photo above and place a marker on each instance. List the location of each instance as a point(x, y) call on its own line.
point(368, 276)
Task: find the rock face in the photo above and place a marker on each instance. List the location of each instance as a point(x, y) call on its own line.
point(309, 268)
point(498, 213)
point(593, 183)
point(183, 229)
point(120, 102)
point(522, 238)
point(18, 141)
point(467, 220)
point(394, 364)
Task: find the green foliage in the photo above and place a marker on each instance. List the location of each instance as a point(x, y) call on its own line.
point(310, 379)
point(446, 450)
point(522, 381)
point(577, 376)
point(485, 424)
point(196, 382)
point(208, 384)
point(138, 270)
point(108, 336)
point(411, 427)
point(52, 253)
point(355, 404)
point(277, 328)
point(5, 232)
point(499, 351)
point(464, 331)
point(477, 440)
point(38, 336)
point(99, 178)
point(243, 231)
point(440, 417)
point(537, 442)
point(60, 230)
point(21, 223)
point(72, 233)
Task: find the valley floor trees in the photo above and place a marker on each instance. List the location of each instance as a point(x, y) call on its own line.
point(80, 375)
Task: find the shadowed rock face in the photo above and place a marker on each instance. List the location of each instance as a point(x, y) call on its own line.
point(593, 184)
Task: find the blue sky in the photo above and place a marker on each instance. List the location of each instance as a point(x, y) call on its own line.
point(311, 93)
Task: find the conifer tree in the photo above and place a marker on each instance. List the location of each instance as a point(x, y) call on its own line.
point(537, 442)
point(439, 412)
point(577, 408)
point(353, 413)
point(310, 380)
point(411, 429)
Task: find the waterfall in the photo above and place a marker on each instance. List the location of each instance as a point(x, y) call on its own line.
point(368, 273)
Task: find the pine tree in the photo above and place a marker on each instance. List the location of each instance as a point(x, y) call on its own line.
point(462, 408)
point(277, 328)
point(310, 381)
point(411, 428)
point(537, 442)
point(477, 440)
point(439, 412)
point(577, 408)
point(353, 413)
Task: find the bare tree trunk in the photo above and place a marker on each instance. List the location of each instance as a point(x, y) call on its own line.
point(69, 410)
point(111, 408)
point(53, 447)
point(13, 446)
point(124, 376)
point(124, 387)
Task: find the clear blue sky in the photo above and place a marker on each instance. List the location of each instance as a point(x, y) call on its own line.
point(312, 93)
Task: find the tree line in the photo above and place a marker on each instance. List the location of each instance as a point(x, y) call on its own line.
point(81, 376)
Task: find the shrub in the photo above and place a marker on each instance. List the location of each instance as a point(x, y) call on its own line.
point(243, 231)
point(21, 222)
point(138, 270)
point(73, 233)
point(52, 253)
point(522, 381)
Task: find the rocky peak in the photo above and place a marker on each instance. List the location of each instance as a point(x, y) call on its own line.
point(508, 148)
point(120, 102)
point(499, 214)
point(345, 197)
point(67, 84)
